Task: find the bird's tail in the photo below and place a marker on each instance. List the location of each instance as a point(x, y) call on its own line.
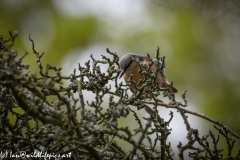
point(172, 89)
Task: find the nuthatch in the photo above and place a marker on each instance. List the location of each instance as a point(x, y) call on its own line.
point(129, 67)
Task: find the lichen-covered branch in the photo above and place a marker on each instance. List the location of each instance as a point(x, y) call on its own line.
point(49, 112)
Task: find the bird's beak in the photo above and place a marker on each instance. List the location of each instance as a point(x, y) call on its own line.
point(121, 74)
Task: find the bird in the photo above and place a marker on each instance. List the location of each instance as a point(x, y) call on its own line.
point(129, 67)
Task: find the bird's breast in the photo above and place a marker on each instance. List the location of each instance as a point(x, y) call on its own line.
point(134, 71)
